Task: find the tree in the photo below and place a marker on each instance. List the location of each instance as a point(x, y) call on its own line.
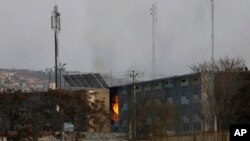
point(77, 108)
point(202, 107)
point(72, 107)
point(30, 114)
point(39, 116)
point(153, 117)
point(220, 83)
point(12, 106)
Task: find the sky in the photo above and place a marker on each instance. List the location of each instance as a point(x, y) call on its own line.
point(116, 35)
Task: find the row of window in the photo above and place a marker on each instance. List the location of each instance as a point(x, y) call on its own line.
point(159, 85)
point(148, 87)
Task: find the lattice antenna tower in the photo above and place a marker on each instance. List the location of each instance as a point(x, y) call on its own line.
point(153, 13)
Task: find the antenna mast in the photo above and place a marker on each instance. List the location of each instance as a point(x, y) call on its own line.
point(56, 26)
point(212, 35)
point(153, 12)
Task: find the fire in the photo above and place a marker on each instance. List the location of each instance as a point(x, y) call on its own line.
point(115, 108)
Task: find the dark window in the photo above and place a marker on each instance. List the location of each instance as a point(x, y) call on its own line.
point(184, 91)
point(185, 127)
point(197, 90)
point(197, 126)
point(168, 93)
point(185, 108)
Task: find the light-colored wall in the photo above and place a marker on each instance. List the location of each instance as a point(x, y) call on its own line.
point(103, 95)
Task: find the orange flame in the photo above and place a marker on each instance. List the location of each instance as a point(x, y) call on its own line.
point(115, 109)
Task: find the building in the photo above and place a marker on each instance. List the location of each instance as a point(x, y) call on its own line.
point(184, 96)
point(96, 87)
point(183, 93)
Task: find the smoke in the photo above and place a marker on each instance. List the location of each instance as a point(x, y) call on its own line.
point(101, 36)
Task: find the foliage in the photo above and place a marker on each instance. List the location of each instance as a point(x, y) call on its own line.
point(31, 114)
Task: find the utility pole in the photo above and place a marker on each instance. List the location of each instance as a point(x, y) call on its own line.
point(132, 125)
point(56, 26)
point(111, 78)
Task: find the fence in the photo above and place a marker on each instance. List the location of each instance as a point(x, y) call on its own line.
point(206, 136)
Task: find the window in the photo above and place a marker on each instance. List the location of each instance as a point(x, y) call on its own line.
point(196, 98)
point(170, 100)
point(184, 101)
point(185, 127)
point(123, 90)
point(168, 84)
point(125, 107)
point(157, 85)
point(184, 82)
point(184, 91)
point(168, 93)
point(197, 126)
point(185, 108)
point(147, 87)
point(185, 119)
point(196, 90)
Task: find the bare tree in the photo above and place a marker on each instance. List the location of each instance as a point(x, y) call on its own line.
point(202, 107)
point(153, 118)
point(220, 83)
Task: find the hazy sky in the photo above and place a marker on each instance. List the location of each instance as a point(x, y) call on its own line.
point(105, 35)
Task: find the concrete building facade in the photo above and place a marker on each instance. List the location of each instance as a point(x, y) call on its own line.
point(183, 93)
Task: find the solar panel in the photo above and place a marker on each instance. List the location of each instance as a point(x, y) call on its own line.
point(68, 79)
point(85, 80)
point(74, 78)
point(91, 80)
point(101, 80)
point(97, 83)
point(78, 79)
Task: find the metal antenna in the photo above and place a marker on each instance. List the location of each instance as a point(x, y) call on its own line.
point(212, 34)
point(213, 61)
point(153, 12)
point(56, 26)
